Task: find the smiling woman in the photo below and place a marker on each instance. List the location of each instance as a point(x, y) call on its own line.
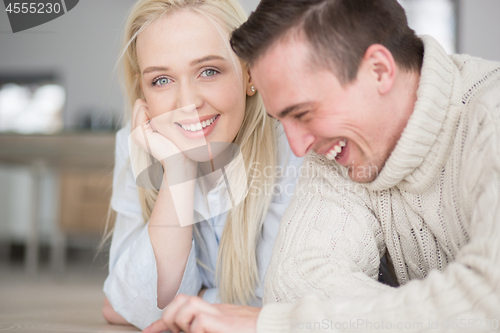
point(188, 90)
point(201, 73)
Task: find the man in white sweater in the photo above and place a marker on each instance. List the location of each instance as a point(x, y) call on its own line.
point(403, 160)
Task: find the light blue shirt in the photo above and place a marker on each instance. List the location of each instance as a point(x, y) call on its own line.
point(131, 286)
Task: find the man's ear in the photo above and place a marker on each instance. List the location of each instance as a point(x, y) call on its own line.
point(250, 88)
point(382, 67)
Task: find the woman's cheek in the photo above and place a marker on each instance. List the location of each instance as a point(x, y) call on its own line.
point(159, 105)
point(228, 98)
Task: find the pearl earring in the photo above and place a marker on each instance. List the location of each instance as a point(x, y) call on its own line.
point(253, 89)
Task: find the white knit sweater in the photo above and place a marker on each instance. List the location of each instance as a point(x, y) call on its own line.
point(434, 208)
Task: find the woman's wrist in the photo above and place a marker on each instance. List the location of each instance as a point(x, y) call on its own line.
point(174, 203)
point(177, 175)
point(179, 170)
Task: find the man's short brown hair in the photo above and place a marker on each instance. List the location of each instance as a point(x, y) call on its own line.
point(338, 31)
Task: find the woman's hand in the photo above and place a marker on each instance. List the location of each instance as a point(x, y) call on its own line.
point(194, 315)
point(178, 166)
point(146, 137)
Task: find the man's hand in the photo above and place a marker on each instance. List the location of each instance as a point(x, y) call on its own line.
point(194, 315)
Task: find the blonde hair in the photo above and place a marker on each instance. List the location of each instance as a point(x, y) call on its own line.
point(237, 267)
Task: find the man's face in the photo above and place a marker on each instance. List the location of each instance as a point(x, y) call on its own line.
point(347, 124)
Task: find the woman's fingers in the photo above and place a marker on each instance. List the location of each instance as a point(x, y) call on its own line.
point(167, 321)
point(207, 323)
point(156, 327)
point(148, 139)
point(141, 136)
point(170, 312)
point(140, 114)
point(190, 309)
point(180, 314)
point(194, 315)
point(141, 126)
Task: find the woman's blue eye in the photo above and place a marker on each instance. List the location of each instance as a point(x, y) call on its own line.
point(161, 81)
point(209, 72)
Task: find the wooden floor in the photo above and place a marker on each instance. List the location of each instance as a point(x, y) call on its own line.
point(69, 302)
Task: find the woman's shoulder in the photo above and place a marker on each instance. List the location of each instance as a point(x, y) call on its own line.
point(122, 141)
point(125, 130)
point(125, 197)
point(288, 168)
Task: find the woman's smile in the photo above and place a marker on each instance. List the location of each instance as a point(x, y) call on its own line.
point(197, 128)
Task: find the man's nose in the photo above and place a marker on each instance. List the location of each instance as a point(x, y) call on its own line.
point(299, 138)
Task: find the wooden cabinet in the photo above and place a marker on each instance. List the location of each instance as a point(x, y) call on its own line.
point(83, 162)
point(84, 201)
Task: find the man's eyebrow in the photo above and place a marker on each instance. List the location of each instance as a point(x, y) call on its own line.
point(207, 58)
point(292, 108)
point(192, 63)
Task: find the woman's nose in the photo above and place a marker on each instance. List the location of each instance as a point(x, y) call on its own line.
point(189, 95)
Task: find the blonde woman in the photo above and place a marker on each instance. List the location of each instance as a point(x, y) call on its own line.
point(185, 84)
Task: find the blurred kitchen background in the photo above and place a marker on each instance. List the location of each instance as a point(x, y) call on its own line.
point(60, 105)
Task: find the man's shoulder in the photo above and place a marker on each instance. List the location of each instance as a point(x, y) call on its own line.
point(320, 166)
point(469, 65)
point(483, 111)
point(480, 142)
point(481, 87)
point(328, 174)
point(480, 78)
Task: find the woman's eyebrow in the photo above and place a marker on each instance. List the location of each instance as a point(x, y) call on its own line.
point(154, 69)
point(192, 63)
point(207, 58)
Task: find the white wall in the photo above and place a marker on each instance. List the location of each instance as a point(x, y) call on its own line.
point(81, 46)
point(249, 5)
point(433, 17)
point(479, 28)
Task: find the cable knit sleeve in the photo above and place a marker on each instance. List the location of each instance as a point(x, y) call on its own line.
point(327, 247)
point(329, 239)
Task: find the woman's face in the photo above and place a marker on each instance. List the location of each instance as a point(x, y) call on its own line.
point(193, 83)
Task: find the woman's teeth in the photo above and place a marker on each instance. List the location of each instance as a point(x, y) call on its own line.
point(199, 126)
point(332, 154)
